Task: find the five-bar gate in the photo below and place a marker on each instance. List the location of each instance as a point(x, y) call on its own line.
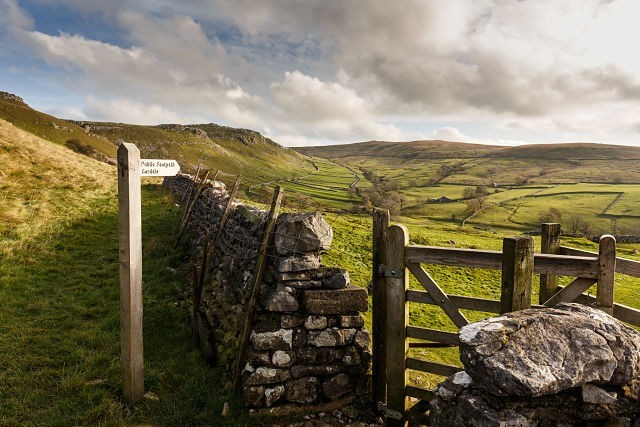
point(395, 259)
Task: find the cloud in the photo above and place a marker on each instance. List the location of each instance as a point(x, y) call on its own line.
point(12, 15)
point(308, 106)
point(341, 71)
point(449, 133)
point(136, 112)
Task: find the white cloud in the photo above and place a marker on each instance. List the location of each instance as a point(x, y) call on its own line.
point(12, 15)
point(449, 133)
point(347, 71)
point(307, 106)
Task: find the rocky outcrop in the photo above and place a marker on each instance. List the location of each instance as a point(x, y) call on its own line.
point(565, 365)
point(11, 97)
point(308, 343)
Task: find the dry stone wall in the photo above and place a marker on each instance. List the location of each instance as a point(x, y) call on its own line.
point(308, 342)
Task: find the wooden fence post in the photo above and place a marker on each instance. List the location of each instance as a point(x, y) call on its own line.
point(130, 236)
point(517, 273)
point(550, 244)
point(379, 308)
point(606, 273)
point(261, 264)
point(186, 216)
point(186, 197)
point(397, 283)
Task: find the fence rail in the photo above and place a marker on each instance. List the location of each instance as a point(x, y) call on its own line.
point(518, 263)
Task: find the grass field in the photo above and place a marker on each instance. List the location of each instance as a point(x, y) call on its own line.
point(352, 250)
point(59, 325)
point(326, 188)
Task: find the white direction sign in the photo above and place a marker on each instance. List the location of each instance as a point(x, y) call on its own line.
point(158, 167)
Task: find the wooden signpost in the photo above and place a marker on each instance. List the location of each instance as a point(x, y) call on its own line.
point(130, 169)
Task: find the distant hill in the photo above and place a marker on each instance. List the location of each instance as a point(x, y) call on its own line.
point(572, 151)
point(402, 150)
point(232, 151)
point(428, 162)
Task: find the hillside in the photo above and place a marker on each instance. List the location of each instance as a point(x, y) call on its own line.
point(232, 151)
point(59, 288)
point(412, 150)
point(429, 162)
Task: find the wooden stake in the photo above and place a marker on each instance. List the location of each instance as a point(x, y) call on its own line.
point(267, 238)
point(223, 220)
point(397, 283)
point(606, 273)
point(379, 309)
point(130, 236)
point(550, 244)
point(187, 213)
point(186, 197)
point(517, 273)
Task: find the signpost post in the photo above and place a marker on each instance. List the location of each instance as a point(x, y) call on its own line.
point(130, 169)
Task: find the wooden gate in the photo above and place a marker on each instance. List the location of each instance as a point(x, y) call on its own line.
point(518, 263)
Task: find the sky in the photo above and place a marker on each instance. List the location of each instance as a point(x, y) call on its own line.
point(315, 72)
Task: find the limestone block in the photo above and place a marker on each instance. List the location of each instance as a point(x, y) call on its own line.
point(296, 263)
point(264, 376)
point(542, 351)
point(299, 233)
point(299, 371)
point(283, 359)
point(278, 340)
point(291, 320)
point(335, 278)
point(330, 337)
point(342, 301)
point(351, 357)
point(281, 300)
point(303, 390)
point(304, 284)
point(272, 395)
point(315, 322)
point(313, 355)
point(351, 321)
point(337, 386)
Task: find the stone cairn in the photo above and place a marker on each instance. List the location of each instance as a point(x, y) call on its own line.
point(308, 343)
point(568, 365)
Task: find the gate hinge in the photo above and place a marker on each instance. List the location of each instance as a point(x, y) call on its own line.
point(389, 413)
point(385, 271)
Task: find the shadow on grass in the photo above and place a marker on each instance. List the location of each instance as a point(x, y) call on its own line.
point(59, 330)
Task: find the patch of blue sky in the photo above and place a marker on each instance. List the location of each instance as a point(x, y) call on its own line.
point(53, 18)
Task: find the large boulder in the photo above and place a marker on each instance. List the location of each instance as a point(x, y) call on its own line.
point(300, 233)
point(561, 366)
point(543, 351)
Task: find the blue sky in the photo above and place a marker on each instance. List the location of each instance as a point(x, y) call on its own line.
point(501, 72)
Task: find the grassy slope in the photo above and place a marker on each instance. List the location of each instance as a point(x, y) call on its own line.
point(232, 151)
point(59, 286)
point(42, 125)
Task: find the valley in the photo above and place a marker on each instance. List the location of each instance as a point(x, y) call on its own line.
point(58, 246)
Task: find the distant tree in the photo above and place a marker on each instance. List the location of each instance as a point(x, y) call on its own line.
point(474, 192)
point(551, 215)
point(474, 205)
point(468, 193)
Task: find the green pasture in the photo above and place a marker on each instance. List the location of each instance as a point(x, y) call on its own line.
point(324, 189)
